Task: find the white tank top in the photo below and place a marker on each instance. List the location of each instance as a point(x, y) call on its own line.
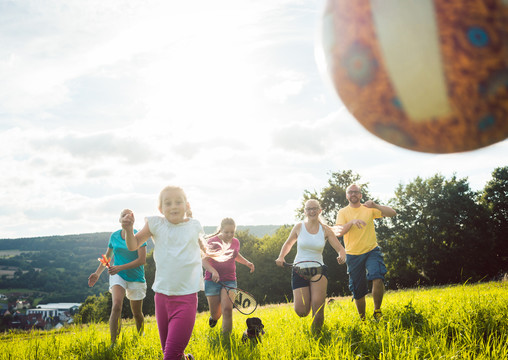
point(309, 247)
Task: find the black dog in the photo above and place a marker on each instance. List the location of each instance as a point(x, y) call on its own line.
point(254, 330)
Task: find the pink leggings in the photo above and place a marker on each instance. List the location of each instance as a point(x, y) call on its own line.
point(175, 317)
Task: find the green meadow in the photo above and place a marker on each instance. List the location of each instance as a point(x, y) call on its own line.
point(467, 321)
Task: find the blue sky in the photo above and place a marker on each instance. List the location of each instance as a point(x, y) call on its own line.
point(103, 103)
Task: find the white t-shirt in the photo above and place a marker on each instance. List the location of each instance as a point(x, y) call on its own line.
point(177, 255)
point(309, 247)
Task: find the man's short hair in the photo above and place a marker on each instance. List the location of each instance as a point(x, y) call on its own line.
point(358, 186)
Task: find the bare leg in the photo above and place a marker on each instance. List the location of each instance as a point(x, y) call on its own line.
point(137, 312)
point(117, 295)
point(360, 306)
point(378, 289)
point(318, 298)
point(227, 311)
point(301, 299)
point(215, 306)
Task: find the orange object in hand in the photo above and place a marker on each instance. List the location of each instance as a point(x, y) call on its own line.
point(105, 261)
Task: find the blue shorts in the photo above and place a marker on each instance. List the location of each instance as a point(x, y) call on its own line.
point(298, 282)
point(213, 289)
point(363, 268)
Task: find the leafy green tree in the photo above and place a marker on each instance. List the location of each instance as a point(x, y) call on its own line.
point(269, 283)
point(333, 196)
point(96, 308)
point(437, 235)
point(495, 200)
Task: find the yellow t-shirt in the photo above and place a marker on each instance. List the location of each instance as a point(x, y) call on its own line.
point(359, 241)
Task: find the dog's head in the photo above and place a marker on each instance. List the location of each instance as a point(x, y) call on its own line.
point(255, 327)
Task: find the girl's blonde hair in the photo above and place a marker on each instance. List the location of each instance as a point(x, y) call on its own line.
point(225, 222)
point(220, 255)
point(171, 188)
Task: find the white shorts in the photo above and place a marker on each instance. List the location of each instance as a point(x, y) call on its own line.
point(134, 290)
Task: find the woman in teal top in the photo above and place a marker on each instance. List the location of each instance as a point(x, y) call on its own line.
point(127, 278)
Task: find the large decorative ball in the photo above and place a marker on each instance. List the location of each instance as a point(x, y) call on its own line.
point(426, 75)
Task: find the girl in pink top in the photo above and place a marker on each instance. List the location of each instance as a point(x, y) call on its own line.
point(224, 272)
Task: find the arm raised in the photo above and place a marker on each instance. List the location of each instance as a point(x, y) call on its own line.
point(386, 211)
point(134, 241)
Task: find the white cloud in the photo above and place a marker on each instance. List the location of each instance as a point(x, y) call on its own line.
point(287, 83)
point(96, 147)
point(327, 136)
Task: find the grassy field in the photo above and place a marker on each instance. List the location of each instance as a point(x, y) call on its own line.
point(454, 322)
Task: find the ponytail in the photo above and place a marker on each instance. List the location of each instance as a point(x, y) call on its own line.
point(222, 254)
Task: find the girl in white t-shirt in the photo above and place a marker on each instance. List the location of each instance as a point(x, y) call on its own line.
point(311, 235)
point(178, 250)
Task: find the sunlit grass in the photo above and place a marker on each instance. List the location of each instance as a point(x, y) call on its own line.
point(454, 322)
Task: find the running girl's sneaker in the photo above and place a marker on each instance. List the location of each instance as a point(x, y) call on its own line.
point(377, 314)
point(212, 322)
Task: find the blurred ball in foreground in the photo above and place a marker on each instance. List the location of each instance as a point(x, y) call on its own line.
point(428, 76)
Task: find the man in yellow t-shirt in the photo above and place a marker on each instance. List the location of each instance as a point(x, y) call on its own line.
point(363, 256)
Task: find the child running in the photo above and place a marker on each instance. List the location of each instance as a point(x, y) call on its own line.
point(311, 235)
point(224, 272)
point(178, 267)
point(127, 278)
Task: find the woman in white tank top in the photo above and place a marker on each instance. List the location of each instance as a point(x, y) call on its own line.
point(311, 236)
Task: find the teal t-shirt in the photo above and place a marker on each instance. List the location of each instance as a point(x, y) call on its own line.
point(122, 255)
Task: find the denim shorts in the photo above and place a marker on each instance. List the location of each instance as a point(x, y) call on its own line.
point(298, 282)
point(363, 268)
point(213, 289)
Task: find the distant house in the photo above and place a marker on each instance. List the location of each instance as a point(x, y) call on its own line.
point(3, 297)
point(21, 304)
point(52, 310)
point(45, 313)
point(45, 316)
point(27, 322)
point(61, 307)
point(52, 314)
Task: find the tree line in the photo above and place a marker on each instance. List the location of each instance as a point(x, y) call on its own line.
point(444, 232)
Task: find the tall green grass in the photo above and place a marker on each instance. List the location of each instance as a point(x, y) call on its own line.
point(453, 322)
